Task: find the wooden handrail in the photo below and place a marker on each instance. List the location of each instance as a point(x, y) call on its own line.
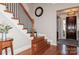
point(13, 7)
point(29, 18)
point(26, 12)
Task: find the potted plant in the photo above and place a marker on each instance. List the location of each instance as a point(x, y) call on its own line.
point(4, 30)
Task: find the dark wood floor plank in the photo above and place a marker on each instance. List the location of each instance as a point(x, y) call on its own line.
point(52, 50)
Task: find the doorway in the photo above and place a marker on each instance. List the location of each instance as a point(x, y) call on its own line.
point(67, 23)
point(71, 27)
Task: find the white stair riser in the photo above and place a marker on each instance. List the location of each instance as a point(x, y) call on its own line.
point(31, 38)
point(20, 27)
point(15, 22)
point(28, 34)
point(25, 30)
point(16, 30)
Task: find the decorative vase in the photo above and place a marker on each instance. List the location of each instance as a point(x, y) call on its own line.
point(0, 36)
point(3, 36)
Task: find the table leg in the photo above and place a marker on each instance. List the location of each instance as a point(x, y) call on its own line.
point(0, 51)
point(6, 51)
point(12, 50)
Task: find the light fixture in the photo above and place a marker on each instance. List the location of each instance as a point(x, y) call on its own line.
point(71, 11)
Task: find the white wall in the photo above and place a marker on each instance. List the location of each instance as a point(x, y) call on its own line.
point(46, 24)
point(24, 19)
point(20, 41)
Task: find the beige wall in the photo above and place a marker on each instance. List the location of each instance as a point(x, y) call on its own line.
point(21, 40)
point(46, 24)
point(24, 18)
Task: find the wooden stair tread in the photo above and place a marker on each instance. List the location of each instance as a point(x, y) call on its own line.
point(20, 24)
point(8, 11)
point(39, 45)
point(15, 18)
point(24, 28)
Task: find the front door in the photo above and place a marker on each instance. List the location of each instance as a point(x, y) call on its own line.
point(71, 27)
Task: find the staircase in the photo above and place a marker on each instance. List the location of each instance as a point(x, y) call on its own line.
point(10, 11)
point(39, 45)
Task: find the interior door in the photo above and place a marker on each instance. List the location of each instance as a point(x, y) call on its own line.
point(71, 27)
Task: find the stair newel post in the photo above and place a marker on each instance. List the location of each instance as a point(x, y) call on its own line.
point(33, 29)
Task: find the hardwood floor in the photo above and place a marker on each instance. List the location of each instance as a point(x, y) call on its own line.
point(54, 50)
point(50, 51)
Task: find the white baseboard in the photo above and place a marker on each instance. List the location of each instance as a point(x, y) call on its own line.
point(21, 49)
point(53, 44)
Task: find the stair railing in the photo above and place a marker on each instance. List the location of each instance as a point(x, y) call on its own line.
point(13, 8)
